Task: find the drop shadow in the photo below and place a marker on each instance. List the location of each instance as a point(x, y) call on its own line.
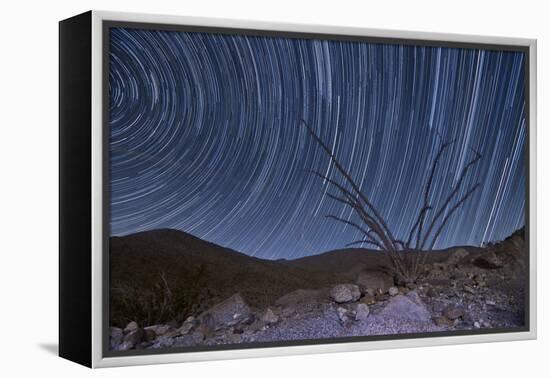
point(51, 348)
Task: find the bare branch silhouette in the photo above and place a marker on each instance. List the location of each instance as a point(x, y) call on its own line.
point(375, 229)
point(449, 198)
point(426, 206)
point(353, 201)
point(365, 232)
point(350, 180)
point(453, 209)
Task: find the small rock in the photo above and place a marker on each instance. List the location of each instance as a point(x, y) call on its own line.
point(452, 312)
point(342, 314)
point(231, 311)
point(362, 312)
point(469, 289)
point(186, 327)
point(490, 303)
point(269, 317)
point(158, 329)
point(345, 293)
point(132, 326)
point(254, 327)
point(393, 291)
point(197, 336)
point(375, 279)
point(368, 299)
point(406, 307)
point(477, 325)
point(134, 337)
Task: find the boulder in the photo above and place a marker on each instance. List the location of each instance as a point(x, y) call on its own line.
point(231, 311)
point(115, 336)
point(158, 329)
point(186, 327)
point(374, 279)
point(345, 293)
point(406, 307)
point(269, 317)
point(132, 326)
point(362, 312)
point(134, 337)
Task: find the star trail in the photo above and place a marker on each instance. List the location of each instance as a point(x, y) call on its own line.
point(206, 137)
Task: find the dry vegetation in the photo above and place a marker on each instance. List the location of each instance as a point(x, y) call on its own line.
point(374, 228)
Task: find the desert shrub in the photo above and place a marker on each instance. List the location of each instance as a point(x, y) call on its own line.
point(161, 301)
point(425, 231)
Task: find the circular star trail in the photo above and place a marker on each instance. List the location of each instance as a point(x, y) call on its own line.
point(205, 137)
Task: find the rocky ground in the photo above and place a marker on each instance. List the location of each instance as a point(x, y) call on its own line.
point(460, 289)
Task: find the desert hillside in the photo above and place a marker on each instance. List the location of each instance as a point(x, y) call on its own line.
point(167, 275)
point(151, 267)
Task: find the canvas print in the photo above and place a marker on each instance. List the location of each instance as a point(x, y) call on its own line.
point(273, 190)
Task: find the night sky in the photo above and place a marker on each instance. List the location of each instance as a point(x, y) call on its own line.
point(206, 137)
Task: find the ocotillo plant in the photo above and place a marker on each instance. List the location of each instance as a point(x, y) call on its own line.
point(374, 229)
